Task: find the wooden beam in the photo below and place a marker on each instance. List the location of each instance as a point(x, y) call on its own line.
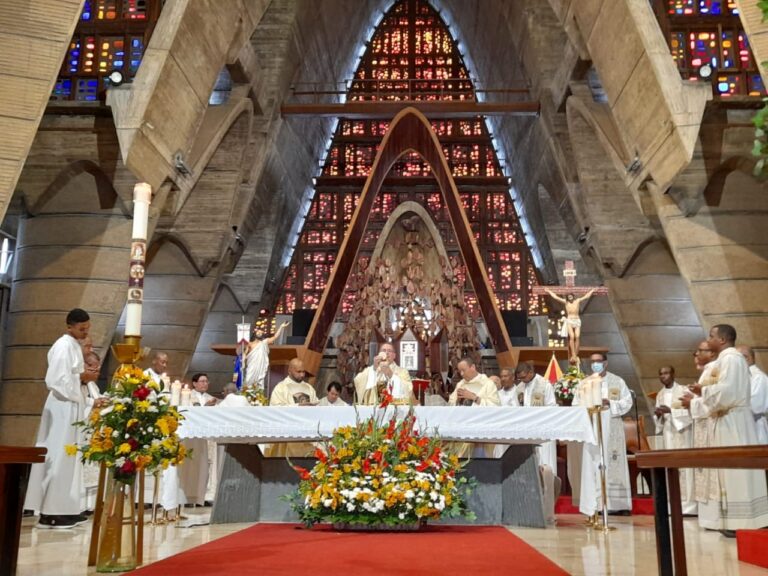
point(728, 457)
point(440, 109)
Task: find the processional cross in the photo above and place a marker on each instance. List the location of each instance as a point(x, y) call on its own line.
point(573, 297)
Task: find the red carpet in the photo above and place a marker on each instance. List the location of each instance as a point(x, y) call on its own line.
point(290, 549)
point(640, 506)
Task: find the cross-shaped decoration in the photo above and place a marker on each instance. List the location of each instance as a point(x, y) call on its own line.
point(570, 285)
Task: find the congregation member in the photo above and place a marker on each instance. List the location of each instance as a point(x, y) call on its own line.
point(735, 499)
point(759, 394)
point(257, 356)
point(616, 401)
point(508, 391)
point(474, 390)
point(675, 425)
point(534, 390)
point(333, 397)
point(383, 375)
point(55, 488)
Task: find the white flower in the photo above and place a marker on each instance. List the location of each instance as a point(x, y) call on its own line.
point(401, 515)
point(433, 495)
point(350, 507)
point(328, 502)
point(409, 494)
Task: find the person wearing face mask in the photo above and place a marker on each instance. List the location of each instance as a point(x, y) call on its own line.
point(616, 401)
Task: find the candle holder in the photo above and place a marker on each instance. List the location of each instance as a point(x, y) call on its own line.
point(596, 413)
point(129, 351)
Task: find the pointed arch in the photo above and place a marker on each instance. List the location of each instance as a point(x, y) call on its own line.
point(410, 131)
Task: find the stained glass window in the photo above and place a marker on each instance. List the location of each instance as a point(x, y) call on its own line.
point(111, 35)
point(710, 32)
point(412, 56)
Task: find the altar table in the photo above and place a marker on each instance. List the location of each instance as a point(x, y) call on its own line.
point(508, 492)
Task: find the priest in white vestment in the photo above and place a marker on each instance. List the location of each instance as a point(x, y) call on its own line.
point(535, 391)
point(333, 397)
point(195, 472)
point(56, 485)
point(759, 396)
point(616, 401)
point(157, 370)
point(740, 495)
point(474, 390)
point(293, 391)
point(385, 374)
point(257, 357)
point(675, 424)
point(508, 392)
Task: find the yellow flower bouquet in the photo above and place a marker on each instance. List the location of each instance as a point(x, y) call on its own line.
point(255, 395)
point(133, 428)
point(383, 475)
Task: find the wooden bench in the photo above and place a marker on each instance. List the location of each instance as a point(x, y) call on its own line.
point(665, 465)
point(15, 462)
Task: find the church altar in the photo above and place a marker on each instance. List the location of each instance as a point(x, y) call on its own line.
point(498, 425)
point(508, 491)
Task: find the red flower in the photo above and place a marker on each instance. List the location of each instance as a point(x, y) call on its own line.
point(366, 466)
point(303, 472)
point(386, 399)
point(128, 467)
point(423, 442)
point(141, 393)
point(320, 455)
point(377, 456)
point(391, 428)
point(133, 443)
point(423, 466)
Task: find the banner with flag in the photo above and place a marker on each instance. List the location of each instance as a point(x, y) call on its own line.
point(237, 377)
point(553, 373)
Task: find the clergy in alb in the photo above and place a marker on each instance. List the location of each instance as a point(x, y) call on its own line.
point(616, 401)
point(385, 374)
point(740, 495)
point(334, 396)
point(257, 356)
point(474, 390)
point(759, 394)
point(56, 486)
point(675, 425)
point(293, 391)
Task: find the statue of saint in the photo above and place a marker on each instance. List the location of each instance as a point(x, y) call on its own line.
point(572, 325)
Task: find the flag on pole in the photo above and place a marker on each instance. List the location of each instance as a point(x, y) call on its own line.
point(553, 373)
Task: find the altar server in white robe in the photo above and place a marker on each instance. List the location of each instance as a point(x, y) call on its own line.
point(385, 374)
point(535, 391)
point(675, 424)
point(56, 485)
point(759, 396)
point(334, 396)
point(293, 391)
point(195, 472)
point(740, 495)
point(616, 401)
point(257, 356)
point(474, 390)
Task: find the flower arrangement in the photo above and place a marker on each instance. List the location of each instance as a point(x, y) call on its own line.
point(132, 429)
point(566, 386)
point(255, 395)
point(382, 475)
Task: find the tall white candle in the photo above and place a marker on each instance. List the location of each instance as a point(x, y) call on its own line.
point(175, 393)
point(142, 196)
point(597, 391)
point(133, 319)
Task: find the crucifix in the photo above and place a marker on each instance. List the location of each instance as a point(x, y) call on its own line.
point(572, 326)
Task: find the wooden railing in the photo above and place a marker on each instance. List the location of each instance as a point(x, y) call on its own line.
point(665, 465)
point(15, 462)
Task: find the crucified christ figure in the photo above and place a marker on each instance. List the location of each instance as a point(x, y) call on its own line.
point(572, 325)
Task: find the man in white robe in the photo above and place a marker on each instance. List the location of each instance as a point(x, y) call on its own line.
point(675, 425)
point(293, 391)
point(535, 391)
point(334, 396)
point(759, 394)
point(508, 391)
point(385, 374)
point(616, 401)
point(195, 472)
point(56, 486)
point(740, 495)
point(474, 390)
point(157, 370)
point(257, 357)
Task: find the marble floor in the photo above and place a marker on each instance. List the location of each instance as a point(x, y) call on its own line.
point(630, 549)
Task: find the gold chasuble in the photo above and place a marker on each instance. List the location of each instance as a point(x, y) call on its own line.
point(487, 396)
point(292, 393)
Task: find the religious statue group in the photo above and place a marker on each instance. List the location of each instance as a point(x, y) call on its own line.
point(726, 407)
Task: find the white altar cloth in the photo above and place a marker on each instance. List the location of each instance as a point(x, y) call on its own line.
point(486, 424)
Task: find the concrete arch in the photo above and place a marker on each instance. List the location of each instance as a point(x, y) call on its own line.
point(106, 193)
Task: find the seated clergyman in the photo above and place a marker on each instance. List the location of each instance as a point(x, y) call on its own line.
point(474, 389)
point(334, 396)
point(384, 375)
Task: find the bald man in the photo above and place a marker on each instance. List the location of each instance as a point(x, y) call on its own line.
point(293, 391)
point(157, 369)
